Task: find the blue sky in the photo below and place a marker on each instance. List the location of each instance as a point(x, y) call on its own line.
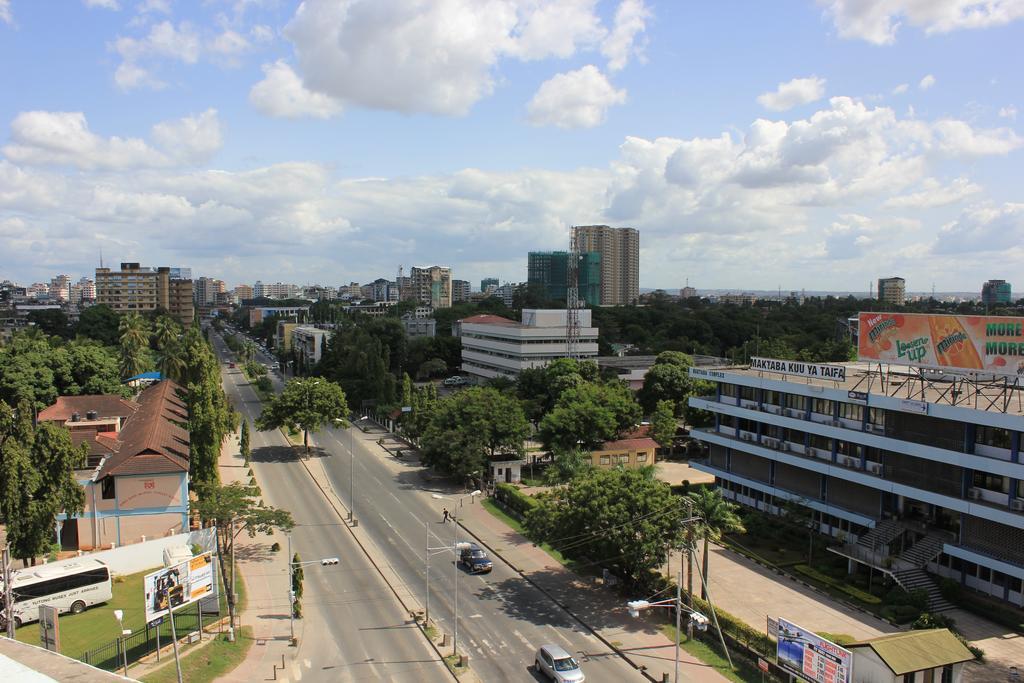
point(799, 144)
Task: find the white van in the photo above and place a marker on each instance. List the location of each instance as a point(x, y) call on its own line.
point(69, 587)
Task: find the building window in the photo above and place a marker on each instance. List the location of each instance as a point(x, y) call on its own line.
point(622, 459)
point(641, 457)
point(822, 406)
point(606, 459)
point(991, 482)
point(108, 488)
point(992, 436)
point(796, 402)
point(728, 389)
point(851, 411)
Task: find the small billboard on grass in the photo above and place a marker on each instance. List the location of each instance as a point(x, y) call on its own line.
point(180, 584)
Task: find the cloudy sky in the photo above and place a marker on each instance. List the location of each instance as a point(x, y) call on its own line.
point(803, 143)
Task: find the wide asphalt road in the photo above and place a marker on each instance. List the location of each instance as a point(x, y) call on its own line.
point(353, 626)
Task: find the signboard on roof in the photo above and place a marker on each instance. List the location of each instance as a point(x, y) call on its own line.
point(811, 657)
point(835, 373)
point(988, 344)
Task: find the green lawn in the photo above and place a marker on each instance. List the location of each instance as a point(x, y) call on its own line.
point(208, 663)
point(96, 626)
point(711, 657)
point(514, 523)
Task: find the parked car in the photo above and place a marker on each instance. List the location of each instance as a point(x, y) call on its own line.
point(474, 559)
point(555, 663)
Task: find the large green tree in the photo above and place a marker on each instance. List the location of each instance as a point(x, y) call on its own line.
point(717, 516)
point(588, 414)
point(620, 518)
point(664, 424)
point(101, 323)
point(234, 509)
point(37, 479)
point(467, 427)
point(667, 380)
point(211, 417)
point(308, 404)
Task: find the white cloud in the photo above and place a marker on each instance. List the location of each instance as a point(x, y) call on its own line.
point(43, 138)
point(105, 4)
point(934, 193)
point(878, 21)
point(1008, 112)
point(577, 99)
point(983, 228)
point(229, 44)
point(556, 29)
point(442, 57)
point(926, 82)
point(793, 93)
point(281, 93)
point(164, 40)
point(631, 18)
point(193, 139)
point(900, 89)
point(5, 12)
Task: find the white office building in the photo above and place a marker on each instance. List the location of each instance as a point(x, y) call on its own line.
point(308, 342)
point(493, 346)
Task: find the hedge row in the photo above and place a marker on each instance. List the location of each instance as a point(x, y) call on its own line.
point(519, 502)
point(852, 591)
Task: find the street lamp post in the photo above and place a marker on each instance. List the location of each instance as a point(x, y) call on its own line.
point(119, 615)
point(324, 562)
point(634, 607)
point(351, 467)
point(455, 551)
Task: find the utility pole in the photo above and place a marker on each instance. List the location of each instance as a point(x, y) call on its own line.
point(291, 594)
point(572, 297)
point(8, 593)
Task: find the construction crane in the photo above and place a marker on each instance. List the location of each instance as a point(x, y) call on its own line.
point(572, 297)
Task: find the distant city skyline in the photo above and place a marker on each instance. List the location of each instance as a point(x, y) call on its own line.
point(235, 139)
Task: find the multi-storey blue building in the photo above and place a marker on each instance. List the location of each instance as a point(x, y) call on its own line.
point(919, 474)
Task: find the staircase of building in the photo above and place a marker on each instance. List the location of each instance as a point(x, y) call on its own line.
point(912, 580)
point(924, 551)
point(884, 533)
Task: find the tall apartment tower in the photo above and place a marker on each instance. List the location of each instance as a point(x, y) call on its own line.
point(996, 293)
point(135, 289)
point(461, 289)
point(431, 285)
point(892, 291)
point(620, 260)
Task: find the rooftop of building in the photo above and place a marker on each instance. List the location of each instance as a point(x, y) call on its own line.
point(24, 662)
point(917, 650)
point(153, 440)
point(978, 391)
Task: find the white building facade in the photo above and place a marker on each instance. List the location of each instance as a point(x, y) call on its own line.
point(498, 347)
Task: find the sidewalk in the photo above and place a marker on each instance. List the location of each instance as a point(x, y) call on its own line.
point(601, 611)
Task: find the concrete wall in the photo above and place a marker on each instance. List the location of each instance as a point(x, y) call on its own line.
point(141, 556)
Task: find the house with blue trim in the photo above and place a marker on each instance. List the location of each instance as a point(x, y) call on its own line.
point(136, 473)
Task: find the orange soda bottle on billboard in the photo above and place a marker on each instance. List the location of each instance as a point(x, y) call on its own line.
point(953, 346)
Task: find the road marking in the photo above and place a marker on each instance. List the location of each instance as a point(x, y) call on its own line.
point(522, 638)
point(476, 616)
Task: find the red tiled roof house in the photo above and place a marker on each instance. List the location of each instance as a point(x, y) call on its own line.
point(136, 474)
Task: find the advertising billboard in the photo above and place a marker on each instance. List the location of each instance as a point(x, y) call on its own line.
point(811, 657)
point(987, 344)
point(178, 585)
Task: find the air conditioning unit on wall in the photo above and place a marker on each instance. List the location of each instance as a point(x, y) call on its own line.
point(1017, 504)
point(974, 494)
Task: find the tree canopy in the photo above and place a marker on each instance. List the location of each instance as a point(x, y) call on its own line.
point(465, 428)
point(308, 404)
point(623, 519)
point(586, 415)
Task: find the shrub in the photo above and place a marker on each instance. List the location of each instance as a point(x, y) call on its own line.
point(516, 500)
point(900, 614)
point(929, 620)
point(275, 547)
point(264, 384)
point(951, 589)
point(838, 584)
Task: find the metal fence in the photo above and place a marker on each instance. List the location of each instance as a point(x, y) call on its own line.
point(144, 641)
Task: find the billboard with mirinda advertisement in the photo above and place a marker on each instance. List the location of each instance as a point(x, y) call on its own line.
point(988, 344)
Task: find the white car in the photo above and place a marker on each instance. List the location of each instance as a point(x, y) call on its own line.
point(555, 663)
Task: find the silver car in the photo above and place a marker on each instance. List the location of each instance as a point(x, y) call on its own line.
point(555, 663)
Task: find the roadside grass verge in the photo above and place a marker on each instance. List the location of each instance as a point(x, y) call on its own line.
point(209, 662)
point(743, 673)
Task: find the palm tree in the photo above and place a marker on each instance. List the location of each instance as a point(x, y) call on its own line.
point(171, 360)
point(134, 338)
point(166, 331)
point(717, 516)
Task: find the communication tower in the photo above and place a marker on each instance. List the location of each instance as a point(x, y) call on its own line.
point(572, 297)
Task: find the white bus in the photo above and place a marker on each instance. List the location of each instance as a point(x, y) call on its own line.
point(70, 588)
